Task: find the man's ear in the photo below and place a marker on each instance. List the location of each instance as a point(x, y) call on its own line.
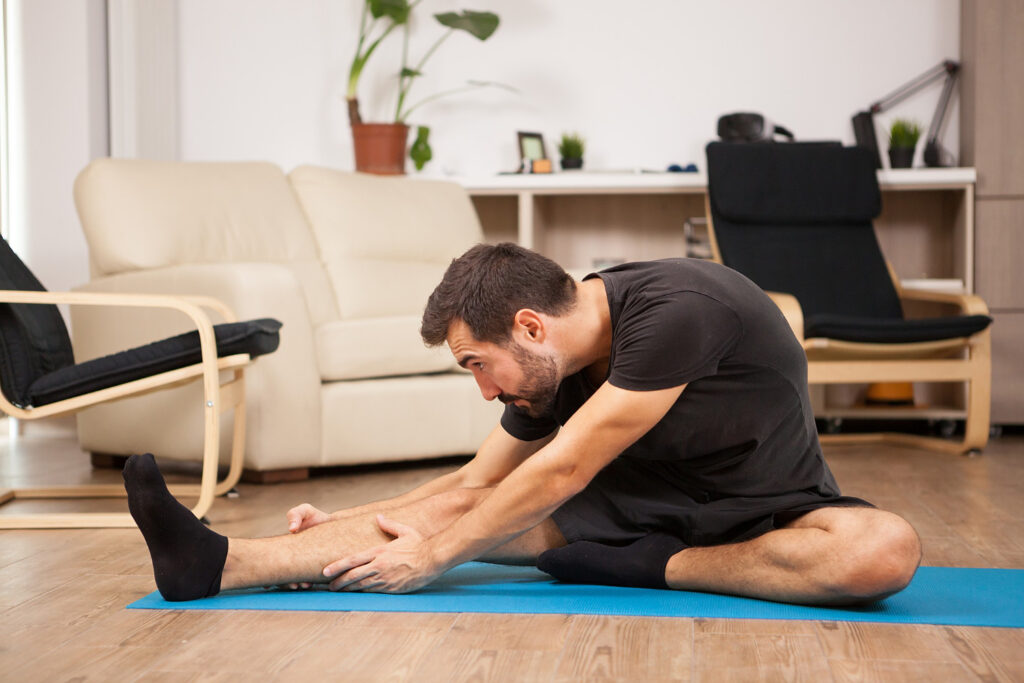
point(529, 325)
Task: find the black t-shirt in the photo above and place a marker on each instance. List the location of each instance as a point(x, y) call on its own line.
point(744, 425)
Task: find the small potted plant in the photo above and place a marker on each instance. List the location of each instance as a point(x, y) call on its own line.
point(381, 147)
point(903, 136)
point(570, 148)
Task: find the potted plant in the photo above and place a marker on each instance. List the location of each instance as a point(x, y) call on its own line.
point(903, 136)
point(570, 148)
point(381, 147)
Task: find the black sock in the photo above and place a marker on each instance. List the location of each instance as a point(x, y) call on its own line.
point(188, 558)
point(641, 563)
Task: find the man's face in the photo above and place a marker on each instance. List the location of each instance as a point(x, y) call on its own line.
point(511, 374)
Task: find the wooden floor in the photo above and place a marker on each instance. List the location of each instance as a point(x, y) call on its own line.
point(63, 593)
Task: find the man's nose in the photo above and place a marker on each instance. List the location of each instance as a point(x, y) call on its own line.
point(489, 389)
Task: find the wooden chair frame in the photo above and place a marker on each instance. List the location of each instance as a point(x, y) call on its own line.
point(218, 398)
point(832, 361)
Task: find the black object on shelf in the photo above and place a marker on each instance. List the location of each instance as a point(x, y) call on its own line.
point(934, 154)
point(749, 127)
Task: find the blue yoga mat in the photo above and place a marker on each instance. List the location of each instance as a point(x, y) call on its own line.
point(937, 595)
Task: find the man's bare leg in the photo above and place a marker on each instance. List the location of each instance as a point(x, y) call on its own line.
point(300, 558)
point(831, 555)
point(191, 561)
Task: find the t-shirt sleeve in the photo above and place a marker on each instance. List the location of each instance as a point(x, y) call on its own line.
point(671, 340)
point(519, 424)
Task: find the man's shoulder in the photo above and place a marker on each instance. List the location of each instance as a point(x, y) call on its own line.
point(674, 279)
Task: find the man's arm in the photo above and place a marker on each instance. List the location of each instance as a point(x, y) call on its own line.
point(609, 422)
point(499, 454)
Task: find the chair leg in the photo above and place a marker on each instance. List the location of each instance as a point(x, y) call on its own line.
point(231, 396)
point(979, 394)
point(237, 395)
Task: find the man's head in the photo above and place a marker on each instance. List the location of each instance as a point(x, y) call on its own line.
point(491, 308)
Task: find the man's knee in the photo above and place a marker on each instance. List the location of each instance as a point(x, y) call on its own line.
point(882, 553)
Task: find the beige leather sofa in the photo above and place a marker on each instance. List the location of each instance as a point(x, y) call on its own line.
point(346, 261)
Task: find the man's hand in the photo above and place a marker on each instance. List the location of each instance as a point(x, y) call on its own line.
point(400, 566)
point(302, 517)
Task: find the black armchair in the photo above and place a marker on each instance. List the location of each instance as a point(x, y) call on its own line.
point(39, 378)
point(797, 220)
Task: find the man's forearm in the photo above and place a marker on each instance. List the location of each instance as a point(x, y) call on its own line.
point(524, 499)
point(447, 482)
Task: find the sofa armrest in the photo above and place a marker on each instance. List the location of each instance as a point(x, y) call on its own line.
point(791, 310)
point(283, 389)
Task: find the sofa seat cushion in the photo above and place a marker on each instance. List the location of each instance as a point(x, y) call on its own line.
point(377, 347)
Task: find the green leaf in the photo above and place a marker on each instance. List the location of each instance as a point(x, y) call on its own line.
point(479, 24)
point(410, 73)
point(420, 152)
point(396, 10)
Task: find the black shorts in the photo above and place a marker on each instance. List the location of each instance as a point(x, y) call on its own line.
point(629, 499)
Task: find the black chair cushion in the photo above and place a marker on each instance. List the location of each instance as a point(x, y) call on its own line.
point(793, 183)
point(886, 331)
point(253, 337)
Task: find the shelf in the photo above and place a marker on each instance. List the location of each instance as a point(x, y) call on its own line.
point(930, 178)
point(585, 182)
point(892, 413)
point(618, 182)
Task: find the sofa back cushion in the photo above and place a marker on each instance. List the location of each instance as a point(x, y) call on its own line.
point(141, 215)
point(385, 241)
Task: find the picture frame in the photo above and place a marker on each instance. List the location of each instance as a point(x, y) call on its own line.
point(531, 147)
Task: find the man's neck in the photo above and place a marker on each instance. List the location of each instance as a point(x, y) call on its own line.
point(587, 332)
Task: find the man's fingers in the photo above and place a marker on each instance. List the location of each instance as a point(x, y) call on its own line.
point(351, 562)
point(395, 528)
point(350, 580)
point(296, 515)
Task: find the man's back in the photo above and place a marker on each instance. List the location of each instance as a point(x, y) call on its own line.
point(743, 427)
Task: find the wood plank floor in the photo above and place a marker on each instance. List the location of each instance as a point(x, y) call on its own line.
point(63, 592)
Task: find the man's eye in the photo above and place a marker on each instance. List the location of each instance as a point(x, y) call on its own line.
point(479, 366)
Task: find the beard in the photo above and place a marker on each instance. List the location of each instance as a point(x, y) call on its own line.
point(540, 382)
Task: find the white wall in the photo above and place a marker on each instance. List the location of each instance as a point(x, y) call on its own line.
point(264, 79)
point(57, 123)
point(643, 81)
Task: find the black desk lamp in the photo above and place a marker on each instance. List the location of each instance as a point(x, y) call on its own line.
point(864, 122)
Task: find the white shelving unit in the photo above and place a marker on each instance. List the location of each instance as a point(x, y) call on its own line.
point(582, 217)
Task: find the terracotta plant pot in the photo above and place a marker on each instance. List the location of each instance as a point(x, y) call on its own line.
point(380, 147)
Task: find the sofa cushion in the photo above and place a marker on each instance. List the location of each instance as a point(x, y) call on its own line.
point(377, 347)
point(385, 241)
point(141, 215)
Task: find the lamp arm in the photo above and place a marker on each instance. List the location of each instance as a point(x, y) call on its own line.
point(942, 105)
point(948, 67)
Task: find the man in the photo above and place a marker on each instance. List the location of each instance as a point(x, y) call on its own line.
point(657, 432)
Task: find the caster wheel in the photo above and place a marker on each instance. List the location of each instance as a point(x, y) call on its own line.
point(833, 425)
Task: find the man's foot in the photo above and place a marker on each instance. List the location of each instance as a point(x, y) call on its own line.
point(188, 558)
point(640, 564)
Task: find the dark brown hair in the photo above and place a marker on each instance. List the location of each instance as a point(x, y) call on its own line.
point(487, 285)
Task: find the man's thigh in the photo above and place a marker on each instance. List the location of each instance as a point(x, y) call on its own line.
point(850, 521)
